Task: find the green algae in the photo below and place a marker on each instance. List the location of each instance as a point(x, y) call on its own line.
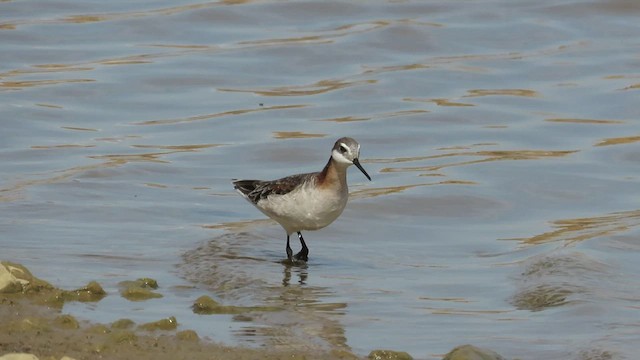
point(187, 335)
point(389, 355)
point(169, 323)
point(139, 290)
point(205, 305)
point(89, 293)
point(122, 324)
point(66, 322)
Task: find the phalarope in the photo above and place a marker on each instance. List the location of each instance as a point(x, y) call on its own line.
point(306, 201)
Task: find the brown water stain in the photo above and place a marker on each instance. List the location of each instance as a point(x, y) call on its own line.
point(489, 156)
point(75, 128)
point(325, 37)
point(238, 226)
point(51, 106)
point(93, 18)
point(453, 299)
point(216, 115)
point(502, 92)
point(118, 139)
point(62, 146)
point(392, 68)
point(189, 147)
point(585, 121)
point(447, 102)
point(378, 116)
point(451, 311)
point(619, 141)
point(295, 135)
point(35, 83)
point(449, 61)
point(12, 192)
point(373, 192)
point(320, 87)
point(581, 229)
point(347, 119)
point(632, 87)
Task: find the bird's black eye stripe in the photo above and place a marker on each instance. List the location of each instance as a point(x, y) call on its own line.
point(343, 149)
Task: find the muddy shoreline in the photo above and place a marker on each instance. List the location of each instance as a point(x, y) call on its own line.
point(33, 323)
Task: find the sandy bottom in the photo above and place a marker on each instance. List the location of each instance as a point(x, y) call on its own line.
point(46, 333)
point(32, 322)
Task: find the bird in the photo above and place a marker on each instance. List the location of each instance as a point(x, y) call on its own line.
point(307, 201)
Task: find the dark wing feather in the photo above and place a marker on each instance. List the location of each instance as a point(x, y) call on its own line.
point(256, 190)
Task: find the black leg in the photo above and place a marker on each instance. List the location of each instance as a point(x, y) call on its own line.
point(303, 254)
point(289, 251)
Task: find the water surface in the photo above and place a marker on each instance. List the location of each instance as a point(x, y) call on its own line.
point(502, 138)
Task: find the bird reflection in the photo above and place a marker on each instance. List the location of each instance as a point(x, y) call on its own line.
point(300, 269)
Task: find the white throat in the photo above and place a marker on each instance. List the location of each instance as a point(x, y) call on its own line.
point(340, 159)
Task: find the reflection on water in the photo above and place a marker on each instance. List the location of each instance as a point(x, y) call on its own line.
point(320, 87)
point(216, 115)
point(295, 135)
point(556, 280)
point(574, 230)
point(227, 265)
point(488, 156)
point(619, 141)
point(123, 123)
point(502, 92)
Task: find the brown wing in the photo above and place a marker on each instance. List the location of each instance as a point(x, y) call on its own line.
point(256, 190)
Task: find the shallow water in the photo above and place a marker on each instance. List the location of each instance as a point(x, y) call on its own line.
point(502, 137)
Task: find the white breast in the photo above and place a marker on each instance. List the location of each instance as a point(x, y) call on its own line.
point(305, 208)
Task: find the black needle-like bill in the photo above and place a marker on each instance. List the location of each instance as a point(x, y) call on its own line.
point(356, 162)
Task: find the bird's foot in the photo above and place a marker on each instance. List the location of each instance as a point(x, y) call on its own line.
point(303, 255)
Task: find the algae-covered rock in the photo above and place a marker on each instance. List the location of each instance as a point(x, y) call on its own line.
point(138, 294)
point(91, 292)
point(205, 305)
point(187, 335)
point(147, 283)
point(389, 355)
point(66, 322)
point(98, 329)
point(165, 324)
point(139, 290)
point(339, 354)
point(54, 298)
point(470, 352)
point(122, 336)
point(32, 325)
point(122, 324)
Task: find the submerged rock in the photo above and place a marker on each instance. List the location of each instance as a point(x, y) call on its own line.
point(147, 283)
point(16, 280)
point(205, 305)
point(66, 322)
point(119, 337)
point(91, 292)
point(122, 324)
point(389, 355)
point(187, 335)
point(165, 324)
point(470, 352)
point(139, 290)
